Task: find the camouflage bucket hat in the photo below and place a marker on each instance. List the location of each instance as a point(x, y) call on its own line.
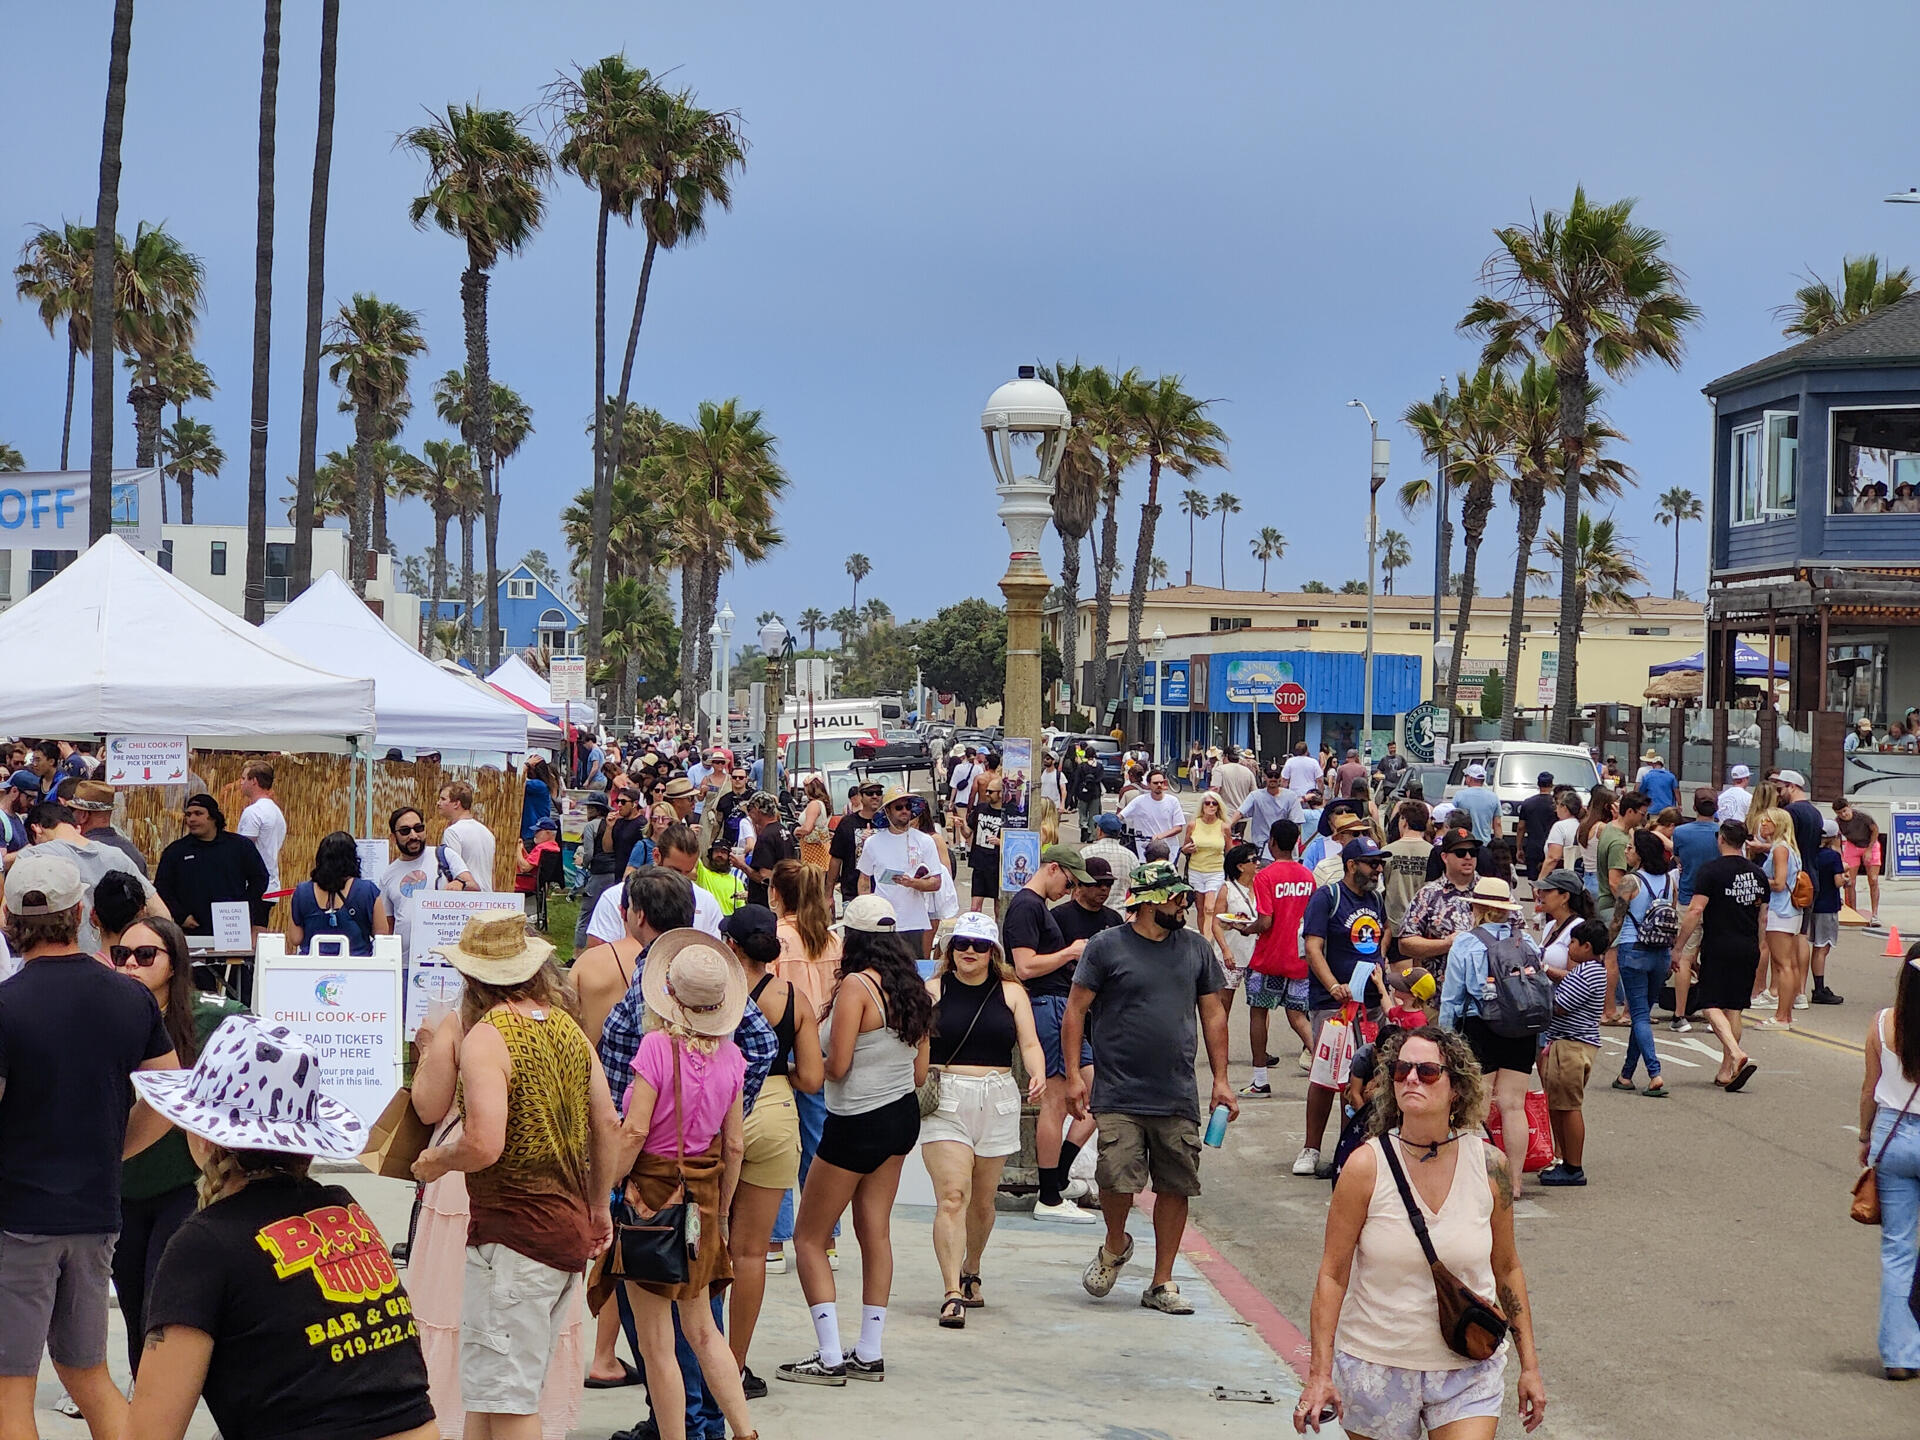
point(1153, 882)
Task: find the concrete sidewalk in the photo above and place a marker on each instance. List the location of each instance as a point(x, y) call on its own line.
point(1041, 1359)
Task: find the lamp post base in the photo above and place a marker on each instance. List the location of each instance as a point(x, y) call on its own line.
point(1025, 585)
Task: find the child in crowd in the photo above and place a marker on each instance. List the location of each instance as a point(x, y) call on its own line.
point(1573, 1039)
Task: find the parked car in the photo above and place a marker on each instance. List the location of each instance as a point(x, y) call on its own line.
point(1432, 780)
point(1514, 768)
point(1103, 748)
point(893, 746)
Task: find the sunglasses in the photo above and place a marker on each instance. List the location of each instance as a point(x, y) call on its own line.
point(901, 805)
point(1464, 854)
point(141, 955)
point(409, 829)
point(1429, 1071)
point(976, 947)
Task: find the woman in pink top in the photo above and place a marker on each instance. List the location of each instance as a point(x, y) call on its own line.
point(1380, 1362)
point(690, 1133)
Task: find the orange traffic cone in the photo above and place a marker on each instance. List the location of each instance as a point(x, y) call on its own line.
point(1895, 946)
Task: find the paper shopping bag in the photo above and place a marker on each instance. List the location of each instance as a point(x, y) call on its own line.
point(396, 1139)
point(1332, 1055)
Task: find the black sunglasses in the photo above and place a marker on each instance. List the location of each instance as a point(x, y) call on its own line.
point(1464, 852)
point(410, 829)
point(141, 955)
point(981, 947)
point(1429, 1071)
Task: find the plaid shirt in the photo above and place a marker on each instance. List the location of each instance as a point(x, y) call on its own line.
point(1440, 911)
point(620, 1043)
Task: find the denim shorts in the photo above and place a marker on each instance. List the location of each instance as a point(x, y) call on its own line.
point(1047, 1013)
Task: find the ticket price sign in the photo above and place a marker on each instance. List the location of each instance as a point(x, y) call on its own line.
point(347, 1007)
point(433, 985)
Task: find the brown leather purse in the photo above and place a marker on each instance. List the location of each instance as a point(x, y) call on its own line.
point(1866, 1190)
point(1471, 1324)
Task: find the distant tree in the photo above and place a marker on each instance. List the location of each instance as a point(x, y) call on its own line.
point(1195, 506)
point(1820, 305)
point(11, 459)
point(1395, 552)
point(1353, 587)
point(1268, 545)
point(542, 568)
point(1676, 507)
point(963, 649)
point(813, 622)
point(1224, 505)
point(1316, 587)
point(1493, 696)
point(1157, 571)
point(844, 623)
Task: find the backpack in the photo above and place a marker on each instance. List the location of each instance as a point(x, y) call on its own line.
point(1660, 925)
point(1521, 1003)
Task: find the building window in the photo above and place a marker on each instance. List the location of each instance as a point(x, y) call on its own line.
point(1648, 630)
point(1353, 624)
point(1230, 622)
point(165, 558)
point(1304, 623)
point(47, 564)
point(217, 560)
point(1744, 476)
point(1876, 462)
point(1419, 625)
point(1526, 629)
point(1783, 462)
point(503, 639)
point(520, 589)
point(279, 569)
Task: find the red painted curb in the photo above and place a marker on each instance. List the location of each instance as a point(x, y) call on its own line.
point(1247, 1300)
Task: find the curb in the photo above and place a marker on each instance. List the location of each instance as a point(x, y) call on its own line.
point(1246, 1299)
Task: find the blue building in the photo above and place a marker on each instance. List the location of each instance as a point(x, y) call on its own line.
point(533, 615)
point(1814, 517)
point(1225, 697)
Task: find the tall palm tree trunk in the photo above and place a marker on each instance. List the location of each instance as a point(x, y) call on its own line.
point(1572, 377)
point(106, 216)
point(255, 601)
point(1137, 582)
point(438, 565)
point(1103, 594)
point(186, 496)
point(66, 425)
point(602, 519)
point(1676, 557)
point(692, 681)
point(473, 300)
point(468, 647)
point(1190, 519)
point(316, 297)
point(361, 525)
point(1070, 616)
point(148, 401)
point(1223, 549)
point(1475, 511)
point(709, 607)
point(603, 493)
point(1532, 503)
point(380, 517)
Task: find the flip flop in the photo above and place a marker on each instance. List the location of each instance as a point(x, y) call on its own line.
point(1655, 1092)
point(1721, 1083)
point(1747, 1072)
point(632, 1377)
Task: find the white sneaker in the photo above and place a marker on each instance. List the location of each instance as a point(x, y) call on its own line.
point(1065, 1212)
point(777, 1260)
point(1075, 1190)
point(1307, 1162)
point(1306, 1061)
point(1800, 1002)
point(833, 1258)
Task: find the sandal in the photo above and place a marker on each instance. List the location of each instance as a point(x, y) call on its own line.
point(1626, 1085)
point(953, 1312)
point(970, 1292)
point(1655, 1092)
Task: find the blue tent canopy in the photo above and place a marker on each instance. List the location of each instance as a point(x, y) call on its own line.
point(1748, 663)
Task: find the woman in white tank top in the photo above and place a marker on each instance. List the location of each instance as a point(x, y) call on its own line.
point(1890, 1142)
point(1379, 1358)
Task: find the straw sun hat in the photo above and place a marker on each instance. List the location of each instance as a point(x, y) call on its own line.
point(495, 949)
point(694, 981)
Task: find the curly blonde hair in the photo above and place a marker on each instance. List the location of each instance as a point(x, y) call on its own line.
point(1465, 1080)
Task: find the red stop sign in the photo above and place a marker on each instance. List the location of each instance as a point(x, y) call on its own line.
point(1290, 699)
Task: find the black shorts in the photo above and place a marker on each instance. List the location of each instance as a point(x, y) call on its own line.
point(1498, 1052)
point(984, 883)
point(863, 1143)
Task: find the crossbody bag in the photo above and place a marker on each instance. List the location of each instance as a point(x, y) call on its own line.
point(1471, 1324)
point(1866, 1190)
point(929, 1088)
point(652, 1246)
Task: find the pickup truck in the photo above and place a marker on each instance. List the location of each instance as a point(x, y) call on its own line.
point(896, 750)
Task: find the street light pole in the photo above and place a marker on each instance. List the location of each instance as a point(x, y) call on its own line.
point(773, 640)
point(1375, 480)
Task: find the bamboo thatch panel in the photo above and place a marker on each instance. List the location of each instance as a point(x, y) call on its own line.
point(314, 790)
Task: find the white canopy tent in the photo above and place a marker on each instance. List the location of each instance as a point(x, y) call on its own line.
point(517, 677)
point(113, 645)
point(418, 706)
point(542, 733)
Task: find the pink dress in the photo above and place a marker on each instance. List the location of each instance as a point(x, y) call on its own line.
point(436, 1267)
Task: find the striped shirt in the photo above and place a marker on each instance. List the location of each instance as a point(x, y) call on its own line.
point(1576, 1004)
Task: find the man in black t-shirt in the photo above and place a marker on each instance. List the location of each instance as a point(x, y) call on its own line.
point(1044, 958)
point(1728, 895)
point(1085, 912)
point(71, 1032)
point(849, 834)
point(771, 845)
point(1537, 815)
point(628, 829)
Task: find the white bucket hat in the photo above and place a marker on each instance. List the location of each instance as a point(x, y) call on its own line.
point(255, 1087)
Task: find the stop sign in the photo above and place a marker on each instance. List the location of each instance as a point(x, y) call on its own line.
point(1290, 700)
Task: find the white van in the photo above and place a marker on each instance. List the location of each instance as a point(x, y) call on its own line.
point(1514, 768)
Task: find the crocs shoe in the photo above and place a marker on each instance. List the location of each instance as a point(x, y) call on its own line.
point(1167, 1299)
point(1097, 1279)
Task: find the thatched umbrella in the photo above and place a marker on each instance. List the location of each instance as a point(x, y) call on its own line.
point(1676, 685)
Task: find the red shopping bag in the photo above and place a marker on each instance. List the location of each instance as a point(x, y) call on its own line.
point(1539, 1132)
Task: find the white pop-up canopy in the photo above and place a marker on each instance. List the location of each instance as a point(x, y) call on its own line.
point(542, 733)
point(517, 677)
point(115, 645)
point(419, 707)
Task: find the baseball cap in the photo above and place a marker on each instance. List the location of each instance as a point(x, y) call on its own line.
point(1154, 881)
point(53, 876)
point(1099, 872)
point(1741, 772)
point(1476, 772)
point(1361, 849)
point(1793, 777)
point(546, 822)
point(871, 914)
point(1108, 824)
point(763, 800)
point(754, 920)
point(1068, 859)
point(1829, 828)
point(24, 780)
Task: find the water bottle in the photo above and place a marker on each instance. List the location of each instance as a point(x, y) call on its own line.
point(1217, 1126)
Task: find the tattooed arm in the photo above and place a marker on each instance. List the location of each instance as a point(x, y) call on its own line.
point(173, 1367)
point(1510, 1288)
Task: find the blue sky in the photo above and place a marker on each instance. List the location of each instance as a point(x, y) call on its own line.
point(1288, 205)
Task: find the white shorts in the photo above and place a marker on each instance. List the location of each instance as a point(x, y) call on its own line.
point(511, 1314)
point(1385, 1402)
point(1783, 924)
point(981, 1112)
point(1206, 881)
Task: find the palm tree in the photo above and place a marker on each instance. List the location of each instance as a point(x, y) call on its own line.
point(103, 307)
point(1396, 551)
point(399, 474)
point(1108, 401)
point(1604, 571)
point(55, 273)
point(813, 621)
point(1157, 572)
point(450, 476)
point(658, 153)
point(183, 377)
point(1174, 433)
point(1195, 506)
point(373, 343)
point(1581, 287)
point(190, 451)
point(333, 487)
point(1268, 545)
point(1675, 508)
point(859, 567)
point(11, 459)
point(1223, 506)
point(512, 423)
point(254, 601)
point(640, 630)
point(1076, 503)
point(875, 613)
point(303, 503)
point(162, 291)
point(487, 186)
point(1819, 306)
point(844, 623)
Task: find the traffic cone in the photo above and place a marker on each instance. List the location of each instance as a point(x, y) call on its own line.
point(1896, 947)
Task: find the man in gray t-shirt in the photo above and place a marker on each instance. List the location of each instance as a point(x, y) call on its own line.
point(1152, 986)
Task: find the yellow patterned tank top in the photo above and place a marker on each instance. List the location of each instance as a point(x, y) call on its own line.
point(533, 1199)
